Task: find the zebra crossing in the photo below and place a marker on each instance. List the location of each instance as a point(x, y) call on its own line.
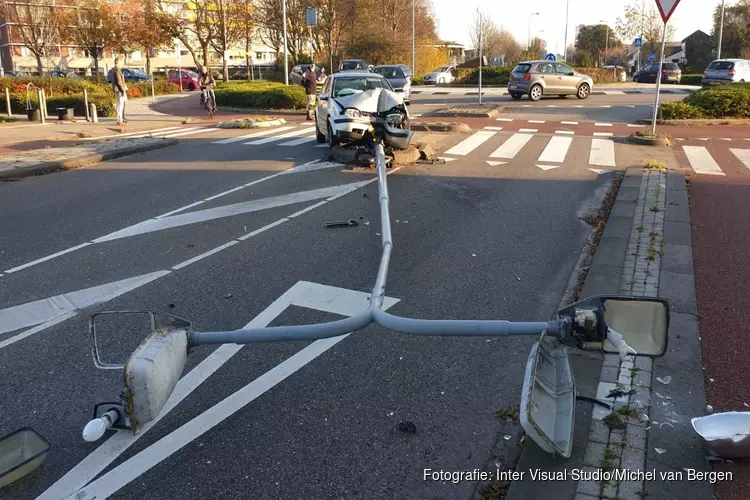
point(299, 135)
point(160, 133)
point(553, 151)
point(716, 159)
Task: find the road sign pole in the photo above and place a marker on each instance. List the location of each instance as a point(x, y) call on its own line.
point(658, 80)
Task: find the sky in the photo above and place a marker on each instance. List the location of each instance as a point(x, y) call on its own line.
point(455, 16)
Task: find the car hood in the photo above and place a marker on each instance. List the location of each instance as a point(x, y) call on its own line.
point(398, 83)
point(372, 101)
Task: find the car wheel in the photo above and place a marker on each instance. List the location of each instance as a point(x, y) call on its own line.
point(635, 79)
point(318, 136)
point(191, 87)
point(535, 93)
point(516, 96)
point(583, 91)
point(332, 139)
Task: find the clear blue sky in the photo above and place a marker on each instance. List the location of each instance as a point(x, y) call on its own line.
point(455, 16)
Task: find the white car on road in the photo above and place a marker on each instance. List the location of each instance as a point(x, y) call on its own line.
point(440, 75)
point(333, 120)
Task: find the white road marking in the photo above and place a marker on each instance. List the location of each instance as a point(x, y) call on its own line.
point(498, 129)
point(556, 150)
point(725, 138)
point(701, 160)
point(495, 163)
point(287, 135)
point(297, 142)
point(569, 123)
point(417, 116)
point(48, 257)
point(565, 132)
point(551, 105)
point(41, 311)
point(445, 159)
point(614, 92)
point(305, 210)
point(303, 294)
point(635, 125)
point(602, 124)
point(602, 153)
point(528, 130)
point(313, 165)
point(262, 133)
point(471, 143)
point(512, 146)
point(703, 138)
point(578, 105)
point(548, 167)
point(37, 329)
point(599, 171)
point(605, 106)
point(267, 227)
point(322, 146)
point(204, 255)
point(228, 211)
point(630, 106)
point(537, 121)
point(526, 105)
point(131, 133)
point(505, 119)
point(603, 134)
point(743, 155)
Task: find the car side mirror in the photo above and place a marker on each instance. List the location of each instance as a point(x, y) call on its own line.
point(400, 91)
point(618, 325)
point(571, 74)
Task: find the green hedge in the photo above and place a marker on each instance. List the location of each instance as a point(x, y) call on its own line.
point(676, 110)
point(728, 101)
point(599, 75)
point(694, 79)
point(263, 95)
point(490, 76)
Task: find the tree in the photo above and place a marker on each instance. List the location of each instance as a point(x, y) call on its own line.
point(191, 25)
point(736, 37)
point(595, 39)
point(225, 18)
point(96, 27)
point(637, 21)
point(482, 28)
point(38, 24)
point(335, 19)
point(147, 31)
point(503, 42)
point(536, 47)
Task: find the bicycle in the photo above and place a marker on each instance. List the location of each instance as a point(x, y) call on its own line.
point(208, 101)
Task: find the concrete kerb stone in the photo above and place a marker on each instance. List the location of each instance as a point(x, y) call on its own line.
point(84, 160)
point(460, 128)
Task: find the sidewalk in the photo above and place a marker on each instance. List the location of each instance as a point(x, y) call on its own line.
point(645, 250)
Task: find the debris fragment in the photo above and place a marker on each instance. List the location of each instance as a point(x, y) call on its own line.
point(665, 380)
point(407, 427)
point(709, 408)
point(616, 393)
point(507, 437)
point(473, 255)
point(343, 223)
point(228, 296)
point(660, 451)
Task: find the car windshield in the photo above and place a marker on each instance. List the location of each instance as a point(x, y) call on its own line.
point(522, 68)
point(192, 74)
point(389, 72)
point(721, 65)
point(348, 86)
point(442, 69)
point(350, 65)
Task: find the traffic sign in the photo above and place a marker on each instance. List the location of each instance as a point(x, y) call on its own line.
point(651, 56)
point(666, 8)
point(638, 42)
point(551, 57)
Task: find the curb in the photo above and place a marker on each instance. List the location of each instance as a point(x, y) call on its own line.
point(658, 140)
point(252, 111)
point(491, 112)
point(699, 122)
point(83, 161)
point(441, 127)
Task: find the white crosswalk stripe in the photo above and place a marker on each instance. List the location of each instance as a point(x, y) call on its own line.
point(262, 133)
point(743, 155)
point(297, 142)
point(471, 143)
point(701, 160)
point(512, 146)
point(287, 135)
point(602, 153)
point(556, 150)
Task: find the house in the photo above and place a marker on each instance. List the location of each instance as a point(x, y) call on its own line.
point(698, 45)
point(456, 51)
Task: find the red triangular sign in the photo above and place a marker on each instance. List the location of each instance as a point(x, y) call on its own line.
point(666, 8)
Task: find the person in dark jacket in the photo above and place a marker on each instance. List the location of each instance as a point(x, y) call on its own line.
point(121, 91)
point(310, 82)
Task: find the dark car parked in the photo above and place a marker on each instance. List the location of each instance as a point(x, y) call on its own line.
point(130, 75)
point(57, 73)
point(670, 73)
point(16, 73)
point(295, 76)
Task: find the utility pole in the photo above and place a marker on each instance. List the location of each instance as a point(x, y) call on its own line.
point(225, 69)
point(480, 55)
point(286, 54)
point(565, 48)
point(413, 51)
point(643, 24)
point(528, 44)
point(721, 31)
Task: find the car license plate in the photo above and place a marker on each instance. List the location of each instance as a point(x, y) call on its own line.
point(514, 86)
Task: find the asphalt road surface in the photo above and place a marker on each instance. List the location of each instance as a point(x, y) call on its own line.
point(473, 239)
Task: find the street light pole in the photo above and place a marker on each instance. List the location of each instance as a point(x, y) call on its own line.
point(479, 14)
point(413, 52)
point(286, 48)
point(528, 45)
point(721, 31)
point(565, 48)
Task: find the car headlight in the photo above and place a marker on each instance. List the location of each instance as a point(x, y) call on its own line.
point(351, 112)
point(394, 119)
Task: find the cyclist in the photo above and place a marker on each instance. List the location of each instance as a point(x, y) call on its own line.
point(207, 83)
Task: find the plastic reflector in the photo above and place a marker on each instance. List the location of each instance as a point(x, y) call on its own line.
point(152, 372)
point(548, 397)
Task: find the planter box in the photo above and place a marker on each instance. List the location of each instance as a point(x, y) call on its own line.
point(33, 115)
point(64, 113)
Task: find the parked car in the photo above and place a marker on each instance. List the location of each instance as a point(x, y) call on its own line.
point(670, 73)
point(539, 78)
point(353, 65)
point(621, 74)
point(340, 85)
point(130, 75)
point(407, 70)
point(725, 71)
point(189, 78)
point(57, 73)
point(295, 76)
point(441, 75)
point(16, 74)
point(397, 78)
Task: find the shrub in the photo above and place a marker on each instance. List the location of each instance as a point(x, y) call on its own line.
point(694, 79)
point(105, 104)
point(676, 110)
point(599, 75)
point(264, 95)
point(490, 76)
point(417, 80)
point(729, 101)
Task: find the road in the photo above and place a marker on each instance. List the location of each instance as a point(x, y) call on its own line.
point(281, 420)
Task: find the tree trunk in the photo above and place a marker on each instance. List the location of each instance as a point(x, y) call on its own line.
point(95, 56)
point(225, 67)
point(40, 66)
point(148, 62)
point(205, 54)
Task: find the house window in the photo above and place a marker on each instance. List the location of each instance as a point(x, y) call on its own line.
point(260, 56)
point(184, 52)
